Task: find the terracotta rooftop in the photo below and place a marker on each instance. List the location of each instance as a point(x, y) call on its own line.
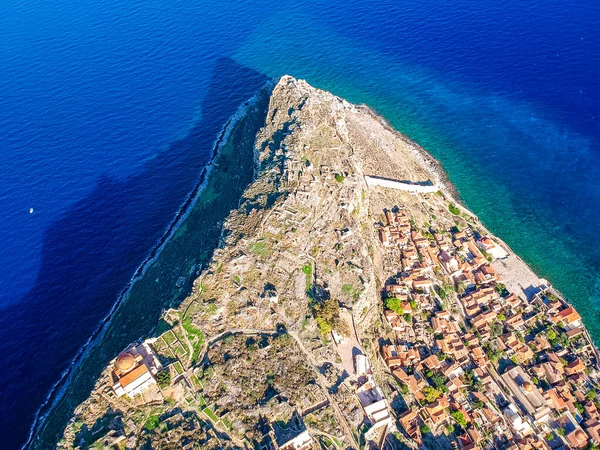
point(133, 375)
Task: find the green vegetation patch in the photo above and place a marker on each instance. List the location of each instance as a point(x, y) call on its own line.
point(394, 304)
point(350, 291)
point(261, 248)
point(196, 382)
point(454, 209)
point(460, 418)
point(169, 337)
point(227, 424)
point(339, 177)
point(152, 423)
point(179, 349)
point(327, 315)
point(178, 367)
point(195, 336)
point(210, 414)
point(163, 378)
point(307, 269)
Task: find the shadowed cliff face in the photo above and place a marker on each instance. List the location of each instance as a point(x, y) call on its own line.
point(90, 254)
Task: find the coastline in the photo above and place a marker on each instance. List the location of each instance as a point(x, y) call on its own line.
point(450, 192)
point(62, 386)
point(428, 161)
point(230, 299)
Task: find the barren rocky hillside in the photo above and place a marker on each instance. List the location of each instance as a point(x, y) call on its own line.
point(299, 257)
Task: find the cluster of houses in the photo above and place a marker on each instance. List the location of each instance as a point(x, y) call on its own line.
point(493, 369)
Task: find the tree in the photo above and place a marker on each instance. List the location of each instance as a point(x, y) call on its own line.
point(460, 418)
point(324, 326)
point(163, 378)
point(327, 313)
point(496, 329)
point(425, 429)
point(442, 293)
point(478, 404)
point(591, 395)
point(551, 334)
point(439, 381)
point(431, 394)
point(561, 431)
point(549, 437)
point(500, 288)
point(394, 304)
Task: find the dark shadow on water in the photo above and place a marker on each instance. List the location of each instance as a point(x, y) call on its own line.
point(91, 253)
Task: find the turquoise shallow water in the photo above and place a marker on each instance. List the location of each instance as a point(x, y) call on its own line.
point(517, 160)
point(109, 111)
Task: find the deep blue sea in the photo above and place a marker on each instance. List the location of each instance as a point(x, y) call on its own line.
point(96, 99)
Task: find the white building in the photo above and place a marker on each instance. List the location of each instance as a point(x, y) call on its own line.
point(516, 421)
point(374, 404)
point(486, 243)
point(134, 370)
point(303, 441)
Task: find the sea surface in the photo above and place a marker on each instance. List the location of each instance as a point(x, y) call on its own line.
point(109, 112)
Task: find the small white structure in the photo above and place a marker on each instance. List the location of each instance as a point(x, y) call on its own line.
point(402, 186)
point(337, 337)
point(301, 442)
point(516, 421)
point(487, 244)
point(362, 365)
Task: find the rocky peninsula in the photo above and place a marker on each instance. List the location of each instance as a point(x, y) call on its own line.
point(351, 302)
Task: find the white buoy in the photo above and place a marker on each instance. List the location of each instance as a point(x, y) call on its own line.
point(30, 210)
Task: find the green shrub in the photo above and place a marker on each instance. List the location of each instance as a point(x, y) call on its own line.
point(454, 209)
point(163, 378)
point(460, 418)
point(394, 304)
point(431, 394)
point(152, 423)
point(339, 178)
